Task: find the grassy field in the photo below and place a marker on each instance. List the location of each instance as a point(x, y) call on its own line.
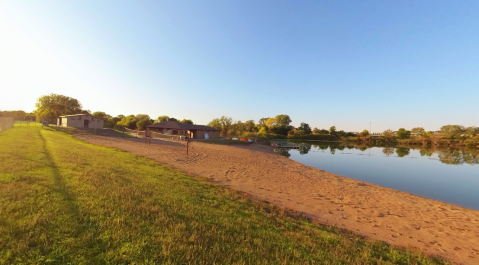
point(63, 201)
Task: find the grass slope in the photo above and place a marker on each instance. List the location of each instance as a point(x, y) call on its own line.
point(63, 201)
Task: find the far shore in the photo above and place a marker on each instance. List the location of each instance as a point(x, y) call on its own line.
point(396, 217)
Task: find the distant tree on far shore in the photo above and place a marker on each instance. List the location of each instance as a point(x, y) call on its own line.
point(304, 127)
point(332, 130)
point(388, 133)
point(452, 131)
point(403, 133)
point(417, 130)
point(364, 133)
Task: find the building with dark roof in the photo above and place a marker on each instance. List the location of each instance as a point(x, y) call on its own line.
point(174, 127)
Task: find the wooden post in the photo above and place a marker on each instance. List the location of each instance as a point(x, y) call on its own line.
point(187, 145)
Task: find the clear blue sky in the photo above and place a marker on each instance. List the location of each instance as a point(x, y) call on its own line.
point(344, 63)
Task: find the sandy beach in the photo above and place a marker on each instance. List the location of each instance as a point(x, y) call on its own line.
point(395, 217)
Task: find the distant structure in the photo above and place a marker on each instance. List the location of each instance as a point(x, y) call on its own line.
point(80, 121)
point(174, 127)
point(6, 123)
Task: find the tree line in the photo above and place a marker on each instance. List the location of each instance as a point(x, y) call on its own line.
point(280, 125)
point(50, 107)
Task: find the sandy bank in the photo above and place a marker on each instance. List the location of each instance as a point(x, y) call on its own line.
point(392, 216)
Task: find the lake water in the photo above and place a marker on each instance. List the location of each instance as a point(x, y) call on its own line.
point(443, 174)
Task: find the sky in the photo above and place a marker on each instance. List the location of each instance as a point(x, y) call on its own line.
point(351, 64)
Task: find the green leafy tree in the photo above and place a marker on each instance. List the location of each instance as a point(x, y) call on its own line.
point(281, 124)
point(128, 122)
point(108, 120)
point(364, 133)
point(225, 124)
point(417, 130)
point(332, 130)
point(269, 122)
point(427, 134)
point(249, 126)
point(388, 133)
point(102, 115)
point(215, 123)
point(50, 107)
point(403, 133)
point(239, 127)
point(162, 119)
point(282, 120)
point(305, 128)
point(112, 121)
point(451, 131)
point(185, 121)
point(262, 124)
point(18, 115)
point(141, 124)
point(321, 131)
point(143, 120)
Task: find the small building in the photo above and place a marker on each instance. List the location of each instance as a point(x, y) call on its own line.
point(80, 121)
point(174, 127)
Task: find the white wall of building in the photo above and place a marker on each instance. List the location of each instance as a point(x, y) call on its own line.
point(79, 122)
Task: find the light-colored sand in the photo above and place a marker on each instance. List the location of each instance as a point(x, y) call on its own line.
point(392, 216)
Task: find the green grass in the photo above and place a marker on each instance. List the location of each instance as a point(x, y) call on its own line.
point(225, 142)
point(25, 124)
point(64, 201)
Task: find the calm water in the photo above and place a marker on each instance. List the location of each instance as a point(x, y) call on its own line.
point(448, 175)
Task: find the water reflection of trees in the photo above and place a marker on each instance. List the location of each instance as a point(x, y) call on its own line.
point(388, 151)
point(282, 151)
point(458, 157)
point(448, 155)
point(304, 149)
point(402, 151)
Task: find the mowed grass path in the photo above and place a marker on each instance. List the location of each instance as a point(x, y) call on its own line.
point(63, 201)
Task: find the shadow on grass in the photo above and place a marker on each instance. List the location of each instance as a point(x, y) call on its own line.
point(69, 200)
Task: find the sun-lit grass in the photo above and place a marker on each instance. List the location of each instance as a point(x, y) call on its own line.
point(26, 124)
point(63, 201)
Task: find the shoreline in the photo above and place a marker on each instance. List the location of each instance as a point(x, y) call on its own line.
point(380, 213)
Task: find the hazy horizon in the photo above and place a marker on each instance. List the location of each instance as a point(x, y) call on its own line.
point(394, 64)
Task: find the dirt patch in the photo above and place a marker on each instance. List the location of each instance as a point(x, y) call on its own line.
point(395, 217)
